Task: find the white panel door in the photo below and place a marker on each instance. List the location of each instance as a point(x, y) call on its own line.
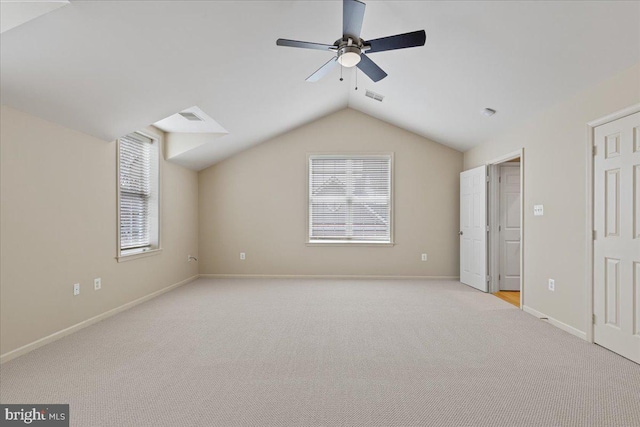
point(473, 228)
point(509, 228)
point(616, 249)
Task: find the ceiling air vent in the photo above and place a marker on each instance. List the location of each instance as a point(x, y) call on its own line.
point(190, 116)
point(374, 95)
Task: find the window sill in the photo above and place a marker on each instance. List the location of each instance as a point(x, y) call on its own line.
point(332, 244)
point(137, 255)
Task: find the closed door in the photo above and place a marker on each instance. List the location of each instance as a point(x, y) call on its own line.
point(617, 240)
point(509, 228)
point(473, 228)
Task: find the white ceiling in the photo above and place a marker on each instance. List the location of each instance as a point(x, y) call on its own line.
point(110, 67)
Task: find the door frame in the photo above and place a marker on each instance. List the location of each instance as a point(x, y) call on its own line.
point(589, 224)
point(493, 237)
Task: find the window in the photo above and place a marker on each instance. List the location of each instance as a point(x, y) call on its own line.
point(350, 199)
point(138, 195)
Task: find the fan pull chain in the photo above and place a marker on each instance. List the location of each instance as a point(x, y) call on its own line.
point(356, 79)
point(341, 72)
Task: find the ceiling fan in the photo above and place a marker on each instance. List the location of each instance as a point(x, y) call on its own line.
point(351, 50)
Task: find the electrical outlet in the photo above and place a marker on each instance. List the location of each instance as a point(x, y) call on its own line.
point(424, 257)
point(97, 283)
point(552, 285)
point(243, 256)
point(76, 289)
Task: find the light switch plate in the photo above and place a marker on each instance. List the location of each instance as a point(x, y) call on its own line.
point(538, 210)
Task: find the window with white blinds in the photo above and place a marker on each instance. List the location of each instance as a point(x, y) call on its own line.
point(350, 199)
point(137, 192)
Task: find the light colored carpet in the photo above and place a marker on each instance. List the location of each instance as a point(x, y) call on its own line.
point(327, 352)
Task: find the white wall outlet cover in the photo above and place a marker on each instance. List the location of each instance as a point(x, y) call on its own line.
point(424, 257)
point(538, 210)
point(242, 255)
point(552, 285)
point(76, 289)
point(97, 283)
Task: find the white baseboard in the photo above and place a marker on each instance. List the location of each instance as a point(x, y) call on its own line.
point(558, 324)
point(322, 276)
point(71, 329)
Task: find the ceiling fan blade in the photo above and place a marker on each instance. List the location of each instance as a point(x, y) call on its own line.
point(352, 16)
point(399, 41)
point(370, 68)
point(304, 45)
point(322, 71)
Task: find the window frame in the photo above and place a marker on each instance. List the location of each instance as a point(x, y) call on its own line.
point(346, 155)
point(156, 224)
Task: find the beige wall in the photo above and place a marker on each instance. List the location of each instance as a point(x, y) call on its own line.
point(255, 202)
point(58, 225)
point(556, 147)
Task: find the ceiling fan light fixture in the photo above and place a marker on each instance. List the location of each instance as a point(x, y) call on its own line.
point(349, 56)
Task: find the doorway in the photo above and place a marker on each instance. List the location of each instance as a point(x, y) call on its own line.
point(505, 227)
point(492, 227)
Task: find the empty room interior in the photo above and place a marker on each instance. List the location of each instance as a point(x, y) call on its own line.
point(336, 213)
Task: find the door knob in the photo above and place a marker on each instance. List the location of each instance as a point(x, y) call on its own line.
point(461, 233)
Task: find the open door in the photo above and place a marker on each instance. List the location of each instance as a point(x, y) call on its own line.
point(473, 228)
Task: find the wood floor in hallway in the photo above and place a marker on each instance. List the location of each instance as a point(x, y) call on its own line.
point(512, 297)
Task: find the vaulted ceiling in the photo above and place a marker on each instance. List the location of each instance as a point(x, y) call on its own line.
point(107, 68)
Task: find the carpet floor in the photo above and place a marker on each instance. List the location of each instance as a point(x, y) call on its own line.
point(327, 352)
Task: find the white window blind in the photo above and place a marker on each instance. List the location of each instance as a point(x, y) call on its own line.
point(135, 156)
point(350, 198)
